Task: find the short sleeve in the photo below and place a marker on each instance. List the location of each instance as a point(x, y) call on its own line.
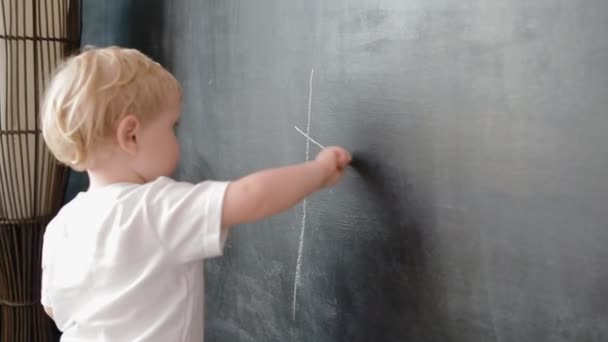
point(187, 217)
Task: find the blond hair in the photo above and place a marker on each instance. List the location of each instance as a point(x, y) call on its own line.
point(92, 91)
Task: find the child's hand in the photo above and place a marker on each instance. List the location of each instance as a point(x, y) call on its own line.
point(334, 160)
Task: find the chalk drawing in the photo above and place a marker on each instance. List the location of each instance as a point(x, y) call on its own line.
point(297, 281)
point(308, 137)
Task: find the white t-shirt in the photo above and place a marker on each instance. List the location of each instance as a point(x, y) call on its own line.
point(125, 262)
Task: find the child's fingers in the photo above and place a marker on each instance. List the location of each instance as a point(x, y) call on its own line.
point(337, 160)
point(347, 158)
point(344, 158)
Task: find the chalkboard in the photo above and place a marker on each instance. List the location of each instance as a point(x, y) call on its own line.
point(476, 208)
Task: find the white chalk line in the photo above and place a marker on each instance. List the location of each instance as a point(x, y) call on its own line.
point(308, 137)
point(297, 280)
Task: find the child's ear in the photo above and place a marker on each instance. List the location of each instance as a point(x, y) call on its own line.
point(127, 133)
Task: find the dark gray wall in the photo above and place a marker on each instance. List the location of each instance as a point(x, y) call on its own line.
point(476, 207)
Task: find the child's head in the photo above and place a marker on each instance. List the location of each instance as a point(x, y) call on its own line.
point(110, 101)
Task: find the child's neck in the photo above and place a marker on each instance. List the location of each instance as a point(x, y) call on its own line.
point(110, 172)
point(101, 179)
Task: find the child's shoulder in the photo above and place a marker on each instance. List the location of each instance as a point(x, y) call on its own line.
point(111, 196)
point(94, 204)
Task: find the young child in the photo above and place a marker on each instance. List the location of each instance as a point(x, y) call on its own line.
point(123, 261)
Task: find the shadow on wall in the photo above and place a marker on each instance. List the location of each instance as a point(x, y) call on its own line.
point(389, 293)
point(137, 24)
point(146, 19)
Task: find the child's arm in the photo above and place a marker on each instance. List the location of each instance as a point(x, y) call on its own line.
point(269, 192)
point(48, 311)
